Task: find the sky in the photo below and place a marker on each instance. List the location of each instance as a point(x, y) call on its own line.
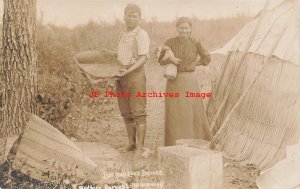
point(75, 12)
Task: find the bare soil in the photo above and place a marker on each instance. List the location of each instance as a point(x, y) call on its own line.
point(99, 120)
point(108, 128)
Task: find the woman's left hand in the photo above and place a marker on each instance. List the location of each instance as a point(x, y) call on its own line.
point(175, 61)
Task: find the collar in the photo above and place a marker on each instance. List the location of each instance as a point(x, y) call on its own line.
point(182, 40)
point(136, 29)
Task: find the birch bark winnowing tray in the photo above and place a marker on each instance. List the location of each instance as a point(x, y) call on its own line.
point(98, 64)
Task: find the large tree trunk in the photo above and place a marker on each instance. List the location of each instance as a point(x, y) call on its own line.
point(18, 69)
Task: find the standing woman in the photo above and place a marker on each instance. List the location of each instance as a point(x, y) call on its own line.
point(185, 117)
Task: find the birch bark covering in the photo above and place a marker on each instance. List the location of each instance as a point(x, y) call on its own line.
point(255, 113)
point(19, 65)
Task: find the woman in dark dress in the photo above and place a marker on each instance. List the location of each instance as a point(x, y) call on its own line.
point(185, 117)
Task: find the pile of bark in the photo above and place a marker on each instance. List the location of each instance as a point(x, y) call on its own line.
point(44, 157)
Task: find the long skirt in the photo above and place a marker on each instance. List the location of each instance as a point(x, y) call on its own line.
point(185, 116)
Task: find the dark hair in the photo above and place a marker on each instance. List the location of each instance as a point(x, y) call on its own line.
point(183, 20)
point(133, 8)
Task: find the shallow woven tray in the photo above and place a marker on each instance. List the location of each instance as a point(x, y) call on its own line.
point(98, 64)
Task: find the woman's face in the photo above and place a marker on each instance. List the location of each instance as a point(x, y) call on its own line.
point(184, 30)
point(131, 19)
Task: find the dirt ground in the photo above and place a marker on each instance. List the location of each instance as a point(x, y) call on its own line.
point(100, 122)
point(108, 128)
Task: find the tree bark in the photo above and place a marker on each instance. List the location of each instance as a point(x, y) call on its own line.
point(19, 73)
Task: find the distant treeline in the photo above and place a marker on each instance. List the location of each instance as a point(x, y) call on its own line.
point(93, 35)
